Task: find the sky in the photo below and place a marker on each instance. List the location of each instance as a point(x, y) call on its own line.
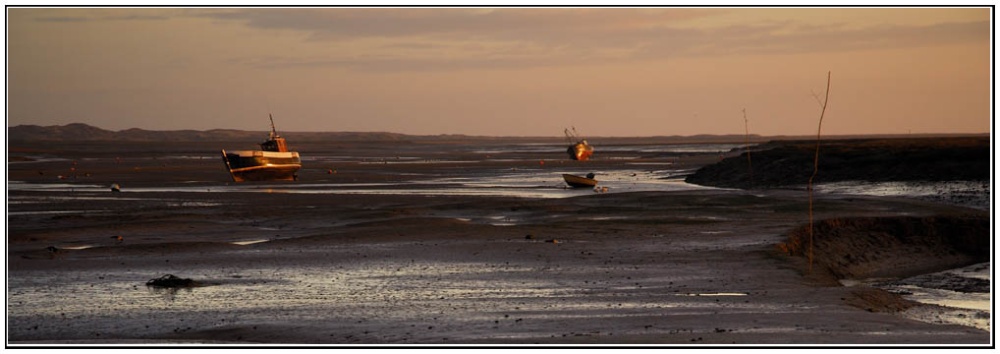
point(504, 71)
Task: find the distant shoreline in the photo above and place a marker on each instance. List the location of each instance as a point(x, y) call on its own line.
point(84, 132)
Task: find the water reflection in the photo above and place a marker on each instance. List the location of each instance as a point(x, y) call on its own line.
point(973, 194)
point(963, 305)
point(712, 294)
point(511, 184)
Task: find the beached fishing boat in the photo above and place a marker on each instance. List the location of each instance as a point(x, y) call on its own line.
point(580, 182)
point(273, 162)
point(579, 149)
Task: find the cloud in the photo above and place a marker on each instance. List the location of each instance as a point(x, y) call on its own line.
point(63, 19)
point(794, 38)
point(388, 63)
point(544, 24)
point(100, 18)
point(440, 38)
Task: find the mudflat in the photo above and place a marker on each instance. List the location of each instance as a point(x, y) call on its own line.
point(457, 243)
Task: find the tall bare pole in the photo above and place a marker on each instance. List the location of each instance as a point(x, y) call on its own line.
point(746, 127)
point(826, 99)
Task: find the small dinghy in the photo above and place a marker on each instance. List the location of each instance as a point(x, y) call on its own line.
point(580, 182)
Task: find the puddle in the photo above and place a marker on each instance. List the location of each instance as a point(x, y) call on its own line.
point(974, 194)
point(502, 221)
point(80, 247)
point(948, 298)
point(607, 218)
point(193, 204)
point(650, 163)
point(967, 308)
point(416, 162)
point(20, 185)
point(672, 148)
point(53, 212)
point(250, 242)
point(547, 184)
point(34, 199)
point(712, 294)
point(35, 159)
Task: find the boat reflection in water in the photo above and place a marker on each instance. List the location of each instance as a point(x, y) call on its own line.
point(273, 162)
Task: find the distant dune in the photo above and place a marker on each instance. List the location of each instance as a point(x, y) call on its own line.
point(84, 132)
point(78, 132)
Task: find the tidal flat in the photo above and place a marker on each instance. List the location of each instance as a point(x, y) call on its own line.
point(464, 243)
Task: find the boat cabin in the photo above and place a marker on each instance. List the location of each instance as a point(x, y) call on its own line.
point(274, 143)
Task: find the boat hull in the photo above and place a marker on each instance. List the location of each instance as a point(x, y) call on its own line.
point(579, 182)
point(580, 151)
point(255, 165)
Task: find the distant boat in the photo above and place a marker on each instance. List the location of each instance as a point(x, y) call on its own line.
point(580, 182)
point(579, 149)
point(273, 162)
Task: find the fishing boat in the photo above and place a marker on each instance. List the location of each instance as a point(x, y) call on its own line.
point(579, 149)
point(273, 162)
point(580, 182)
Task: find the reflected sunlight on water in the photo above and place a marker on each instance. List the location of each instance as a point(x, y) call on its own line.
point(974, 194)
point(958, 307)
point(511, 184)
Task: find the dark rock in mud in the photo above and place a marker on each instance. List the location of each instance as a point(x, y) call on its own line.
point(171, 281)
point(791, 163)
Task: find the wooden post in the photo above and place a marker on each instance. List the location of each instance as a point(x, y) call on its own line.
point(746, 127)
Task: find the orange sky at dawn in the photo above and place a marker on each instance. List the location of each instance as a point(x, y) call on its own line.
point(504, 71)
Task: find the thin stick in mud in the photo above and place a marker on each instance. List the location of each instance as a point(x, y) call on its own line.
point(746, 127)
point(819, 129)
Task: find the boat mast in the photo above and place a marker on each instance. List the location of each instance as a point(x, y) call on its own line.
point(274, 141)
point(274, 132)
point(571, 137)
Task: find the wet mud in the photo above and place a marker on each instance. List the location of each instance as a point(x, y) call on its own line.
point(878, 247)
point(679, 265)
